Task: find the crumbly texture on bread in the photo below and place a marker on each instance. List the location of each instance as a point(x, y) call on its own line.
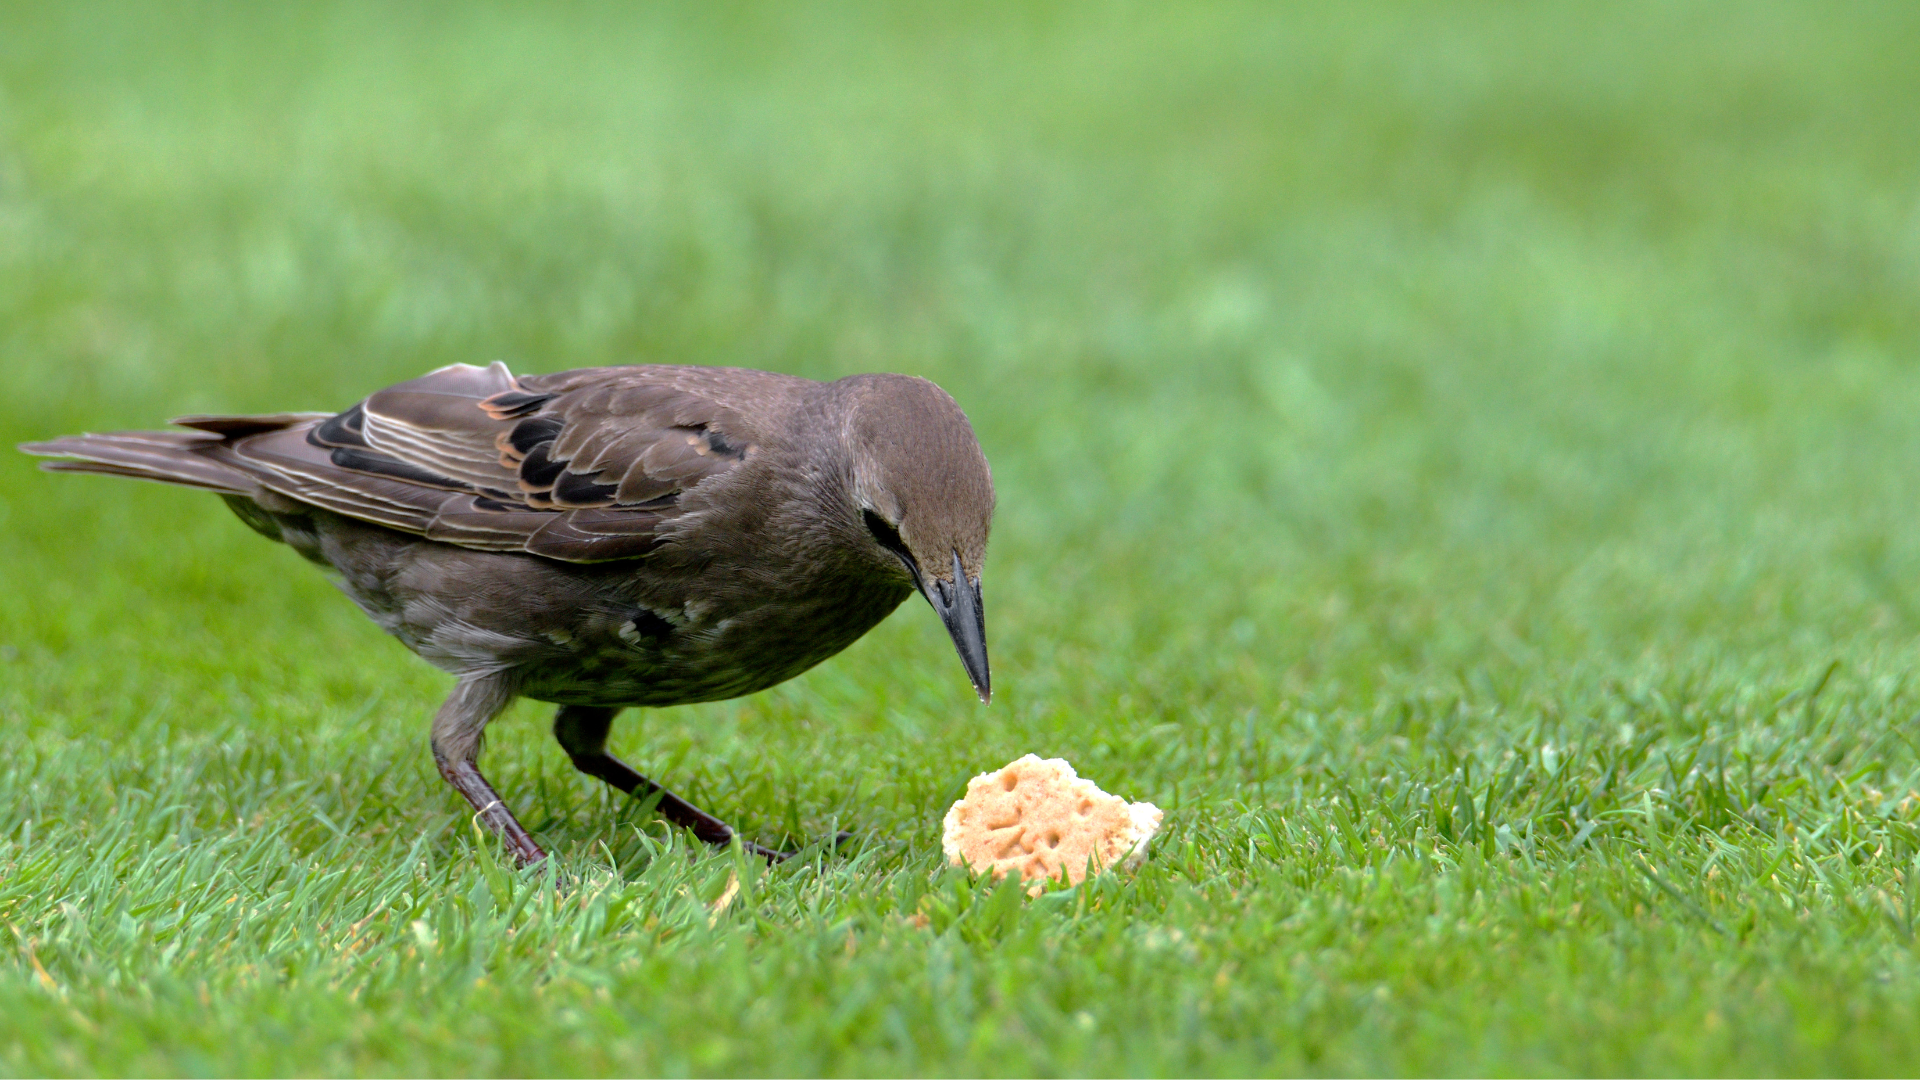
point(1040, 820)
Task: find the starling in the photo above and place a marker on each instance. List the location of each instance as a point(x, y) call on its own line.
point(648, 535)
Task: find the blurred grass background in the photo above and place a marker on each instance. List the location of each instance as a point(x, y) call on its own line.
point(1455, 457)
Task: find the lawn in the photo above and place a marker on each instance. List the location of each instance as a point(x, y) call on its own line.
point(1458, 460)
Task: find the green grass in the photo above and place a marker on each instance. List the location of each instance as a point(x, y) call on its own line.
point(1459, 460)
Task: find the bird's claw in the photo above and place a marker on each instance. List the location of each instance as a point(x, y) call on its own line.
point(775, 857)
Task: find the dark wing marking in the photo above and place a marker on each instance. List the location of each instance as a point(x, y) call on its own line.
point(341, 430)
point(233, 427)
point(648, 432)
point(513, 404)
point(348, 457)
point(614, 437)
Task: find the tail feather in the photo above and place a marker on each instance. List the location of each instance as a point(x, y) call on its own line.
point(167, 457)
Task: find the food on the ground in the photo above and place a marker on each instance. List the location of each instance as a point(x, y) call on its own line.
point(1040, 820)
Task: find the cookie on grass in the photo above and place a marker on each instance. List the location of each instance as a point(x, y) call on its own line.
point(1040, 820)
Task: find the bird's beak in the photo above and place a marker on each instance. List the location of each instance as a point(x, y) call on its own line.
point(958, 603)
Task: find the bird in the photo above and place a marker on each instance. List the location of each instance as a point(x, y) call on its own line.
point(642, 535)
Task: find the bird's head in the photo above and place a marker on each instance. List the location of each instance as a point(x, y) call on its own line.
point(925, 498)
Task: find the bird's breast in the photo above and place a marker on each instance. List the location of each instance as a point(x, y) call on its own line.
point(651, 632)
point(707, 649)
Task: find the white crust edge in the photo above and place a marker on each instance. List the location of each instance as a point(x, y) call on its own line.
point(1145, 826)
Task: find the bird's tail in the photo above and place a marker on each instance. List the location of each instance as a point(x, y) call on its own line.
point(187, 458)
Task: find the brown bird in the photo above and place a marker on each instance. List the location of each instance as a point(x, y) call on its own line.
point(647, 535)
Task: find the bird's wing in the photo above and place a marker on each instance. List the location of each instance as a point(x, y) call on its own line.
point(581, 466)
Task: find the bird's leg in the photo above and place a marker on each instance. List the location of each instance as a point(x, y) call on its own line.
point(582, 731)
point(457, 729)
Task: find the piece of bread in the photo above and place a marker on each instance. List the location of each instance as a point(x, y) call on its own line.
point(1040, 820)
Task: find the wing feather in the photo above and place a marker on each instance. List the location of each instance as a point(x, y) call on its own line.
point(580, 466)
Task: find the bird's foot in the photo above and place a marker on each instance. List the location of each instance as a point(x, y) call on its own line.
point(774, 856)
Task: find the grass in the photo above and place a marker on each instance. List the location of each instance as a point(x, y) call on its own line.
point(1457, 460)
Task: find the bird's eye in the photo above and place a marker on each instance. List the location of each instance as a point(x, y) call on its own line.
point(887, 536)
